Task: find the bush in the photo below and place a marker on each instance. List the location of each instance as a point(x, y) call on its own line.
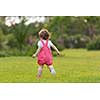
point(58, 44)
point(27, 50)
point(10, 52)
point(2, 40)
point(30, 50)
point(12, 42)
point(94, 44)
point(76, 41)
point(3, 54)
point(81, 41)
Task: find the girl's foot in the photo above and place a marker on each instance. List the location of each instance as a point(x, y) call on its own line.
point(38, 76)
point(53, 72)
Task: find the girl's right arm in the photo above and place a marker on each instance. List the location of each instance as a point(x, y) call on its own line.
point(37, 51)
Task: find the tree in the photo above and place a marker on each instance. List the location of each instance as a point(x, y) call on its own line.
point(20, 32)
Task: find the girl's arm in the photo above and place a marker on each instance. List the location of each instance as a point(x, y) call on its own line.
point(54, 47)
point(36, 53)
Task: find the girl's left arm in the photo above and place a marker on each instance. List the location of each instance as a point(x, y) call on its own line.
point(55, 48)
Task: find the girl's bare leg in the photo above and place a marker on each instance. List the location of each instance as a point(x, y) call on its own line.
point(40, 69)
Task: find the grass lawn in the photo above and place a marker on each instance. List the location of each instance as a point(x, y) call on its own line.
point(75, 66)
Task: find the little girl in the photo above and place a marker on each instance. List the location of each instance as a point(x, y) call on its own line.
point(44, 52)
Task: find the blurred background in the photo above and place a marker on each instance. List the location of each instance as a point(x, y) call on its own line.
point(19, 34)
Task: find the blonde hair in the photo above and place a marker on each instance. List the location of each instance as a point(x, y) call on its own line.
point(44, 30)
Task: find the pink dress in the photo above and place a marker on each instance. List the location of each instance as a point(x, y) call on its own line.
point(45, 54)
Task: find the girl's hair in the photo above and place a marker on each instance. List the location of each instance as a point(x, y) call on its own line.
point(44, 34)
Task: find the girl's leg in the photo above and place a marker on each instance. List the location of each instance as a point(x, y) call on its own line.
point(52, 70)
point(40, 68)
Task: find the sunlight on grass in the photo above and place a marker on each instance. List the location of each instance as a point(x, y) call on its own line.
point(73, 66)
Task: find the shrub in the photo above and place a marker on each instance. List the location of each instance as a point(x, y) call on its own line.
point(3, 54)
point(30, 50)
point(76, 41)
point(81, 41)
point(12, 42)
point(2, 40)
point(94, 44)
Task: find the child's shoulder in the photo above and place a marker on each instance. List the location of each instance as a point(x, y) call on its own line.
point(50, 41)
point(39, 41)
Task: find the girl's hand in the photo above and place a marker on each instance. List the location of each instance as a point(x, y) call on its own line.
point(58, 53)
point(33, 56)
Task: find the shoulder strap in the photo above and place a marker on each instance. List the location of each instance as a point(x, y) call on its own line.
point(44, 43)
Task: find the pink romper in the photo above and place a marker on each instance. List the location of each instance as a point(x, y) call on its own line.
point(45, 54)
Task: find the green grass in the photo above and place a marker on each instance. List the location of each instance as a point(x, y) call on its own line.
point(75, 66)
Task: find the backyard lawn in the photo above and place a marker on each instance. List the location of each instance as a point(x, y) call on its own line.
point(73, 66)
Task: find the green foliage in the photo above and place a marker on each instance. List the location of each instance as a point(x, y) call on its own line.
point(94, 44)
point(10, 52)
point(3, 54)
point(80, 41)
point(59, 24)
point(3, 41)
point(67, 32)
point(72, 41)
point(12, 42)
point(2, 38)
point(31, 50)
point(20, 33)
